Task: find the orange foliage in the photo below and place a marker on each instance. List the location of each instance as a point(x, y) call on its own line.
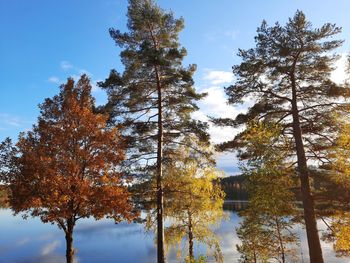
point(67, 167)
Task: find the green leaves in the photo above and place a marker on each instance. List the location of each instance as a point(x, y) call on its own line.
point(294, 55)
point(152, 57)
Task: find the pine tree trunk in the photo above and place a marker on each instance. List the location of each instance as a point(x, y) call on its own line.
point(160, 202)
point(69, 242)
point(313, 239)
point(190, 238)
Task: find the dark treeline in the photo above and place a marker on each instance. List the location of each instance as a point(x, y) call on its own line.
point(234, 187)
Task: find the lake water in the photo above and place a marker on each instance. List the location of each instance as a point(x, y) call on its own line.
point(103, 241)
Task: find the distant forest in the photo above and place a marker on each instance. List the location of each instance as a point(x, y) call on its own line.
point(234, 189)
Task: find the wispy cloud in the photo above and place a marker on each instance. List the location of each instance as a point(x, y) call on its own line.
point(216, 77)
point(75, 73)
point(215, 105)
point(49, 248)
point(23, 241)
point(66, 65)
point(231, 34)
point(95, 88)
point(54, 80)
point(220, 35)
point(99, 94)
point(11, 120)
point(339, 75)
point(84, 71)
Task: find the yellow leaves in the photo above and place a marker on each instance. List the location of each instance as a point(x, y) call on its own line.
point(193, 201)
point(342, 237)
point(263, 144)
point(339, 232)
point(341, 152)
point(265, 230)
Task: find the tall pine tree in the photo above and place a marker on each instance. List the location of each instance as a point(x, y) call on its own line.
point(287, 75)
point(153, 99)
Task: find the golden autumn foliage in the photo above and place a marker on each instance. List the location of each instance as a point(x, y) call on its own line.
point(338, 232)
point(335, 192)
point(66, 168)
point(193, 205)
point(266, 231)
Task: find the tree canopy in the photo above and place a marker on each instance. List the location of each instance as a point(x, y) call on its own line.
point(66, 168)
point(287, 77)
point(152, 100)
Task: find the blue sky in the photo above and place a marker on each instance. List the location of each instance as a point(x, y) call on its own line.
point(43, 42)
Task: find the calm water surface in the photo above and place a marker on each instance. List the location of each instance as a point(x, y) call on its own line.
point(103, 241)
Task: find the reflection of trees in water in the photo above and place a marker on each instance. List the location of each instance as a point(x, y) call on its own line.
point(333, 191)
point(235, 206)
point(266, 237)
point(338, 232)
point(266, 231)
point(333, 196)
point(234, 189)
point(193, 206)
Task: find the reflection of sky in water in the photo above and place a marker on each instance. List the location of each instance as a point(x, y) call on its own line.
point(103, 241)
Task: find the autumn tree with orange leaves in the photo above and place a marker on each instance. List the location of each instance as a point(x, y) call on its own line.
point(66, 168)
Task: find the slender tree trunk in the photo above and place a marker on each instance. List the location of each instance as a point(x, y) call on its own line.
point(160, 201)
point(279, 234)
point(69, 242)
point(190, 238)
point(313, 239)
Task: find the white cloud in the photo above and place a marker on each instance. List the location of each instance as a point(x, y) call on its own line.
point(219, 35)
point(216, 77)
point(23, 241)
point(76, 77)
point(215, 103)
point(84, 71)
point(11, 120)
point(54, 80)
point(49, 248)
point(99, 94)
point(66, 65)
point(339, 74)
point(94, 87)
point(231, 34)
point(75, 73)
